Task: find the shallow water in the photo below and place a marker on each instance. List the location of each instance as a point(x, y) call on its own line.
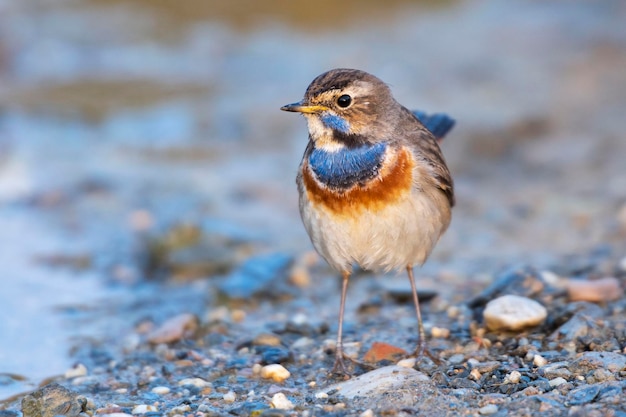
point(117, 117)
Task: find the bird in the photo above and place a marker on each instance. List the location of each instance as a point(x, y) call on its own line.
point(374, 188)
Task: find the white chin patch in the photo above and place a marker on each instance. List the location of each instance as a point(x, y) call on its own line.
point(322, 135)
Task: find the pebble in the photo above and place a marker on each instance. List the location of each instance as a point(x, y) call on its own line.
point(378, 382)
point(539, 361)
point(614, 362)
point(367, 413)
point(174, 329)
point(321, 395)
point(161, 390)
point(407, 363)
point(266, 339)
point(604, 289)
point(78, 370)
point(276, 372)
point(115, 415)
point(383, 351)
point(230, 397)
point(557, 381)
point(440, 332)
point(512, 312)
point(143, 409)
point(488, 409)
point(513, 377)
point(281, 402)
point(196, 382)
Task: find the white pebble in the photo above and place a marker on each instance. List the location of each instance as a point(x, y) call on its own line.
point(76, 371)
point(407, 363)
point(196, 382)
point(512, 312)
point(321, 395)
point(539, 361)
point(440, 332)
point(230, 397)
point(513, 377)
point(143, 409)
point(488, 409)
point(557, 381)
point(281, 402)
point(276, 372)
point(367, 413)
point(161, 390)
point(256, 368)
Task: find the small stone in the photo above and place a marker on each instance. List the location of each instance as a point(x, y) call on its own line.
point(196, 382)
point(440, 332)
point(512, 312)
point(174, 329)
point(378, 382)
point(367, 413)
point(539, 361)
point(407, 363)
point(276, 372)
point(557, 381)
point(613, 362)
point(230, 397)
point(475, 374)
point(143, 409)
point(383, 351)
point(583, 395)
point(115, 415)
point(281, 402)
point(256, 368)
point(78, 370)
point(513, 377)
point(488, 409)
point(266, 339)
point(456, 359)
point(161, 390)
point(599, 290)
point(238, 315)
point(321, 395)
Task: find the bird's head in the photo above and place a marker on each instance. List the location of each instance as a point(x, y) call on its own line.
point(347, 107)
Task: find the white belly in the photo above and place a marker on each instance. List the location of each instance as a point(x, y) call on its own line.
point(394, 237)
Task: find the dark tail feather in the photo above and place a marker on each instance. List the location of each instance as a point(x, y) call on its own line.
point(439, 124)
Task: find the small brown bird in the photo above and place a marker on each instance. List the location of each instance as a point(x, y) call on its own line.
point(374, 187)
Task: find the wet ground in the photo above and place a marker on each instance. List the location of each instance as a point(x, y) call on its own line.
point(147, 172)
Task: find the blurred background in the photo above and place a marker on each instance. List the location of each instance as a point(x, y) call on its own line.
point(126, 125)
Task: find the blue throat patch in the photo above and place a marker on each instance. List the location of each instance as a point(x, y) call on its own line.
point(335, 122)
point(348, 166)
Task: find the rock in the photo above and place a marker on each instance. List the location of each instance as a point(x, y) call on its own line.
point(379, 381)
point(196, 382)
point(539, 361)
point(276, 372)
point(512, 312)
point(599, 290)
point(143, 409)
point(513, 377)
point(281, 402)
point(384, 351)
point(78, 370)
point(488, 409)
point(266, 339)
point(557, 381)
point(588, 361)
point(161, 390)
point(52, 400)
point(407, 363)
point(230, 397)
point(555, 370)
point(440, 332)
point(582, 320)
point(583, 395)
point(174, 329)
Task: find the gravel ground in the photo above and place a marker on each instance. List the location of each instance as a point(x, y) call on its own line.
point(155, 263)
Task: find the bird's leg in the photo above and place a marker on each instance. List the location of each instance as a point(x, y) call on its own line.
point(340, 367)
point(420, 349)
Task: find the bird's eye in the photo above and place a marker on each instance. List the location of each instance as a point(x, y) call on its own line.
point(344, 101)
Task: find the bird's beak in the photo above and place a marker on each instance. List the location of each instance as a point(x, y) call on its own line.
point(303, 108)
